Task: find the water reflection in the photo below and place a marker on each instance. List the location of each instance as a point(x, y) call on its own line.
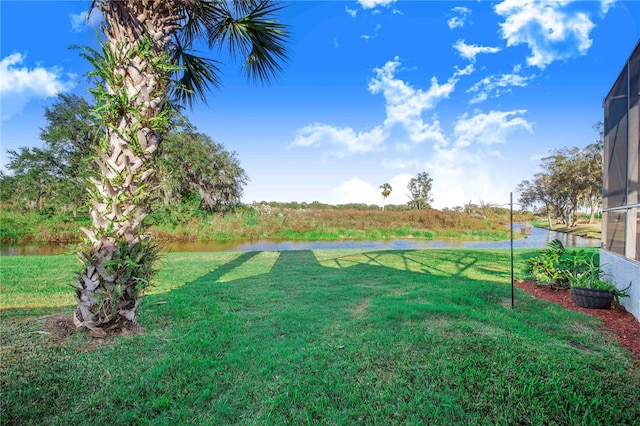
point(539, 238)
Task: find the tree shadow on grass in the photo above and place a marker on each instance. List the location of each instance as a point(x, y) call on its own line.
point(224, 269)
point(28, 314)
point(305, 339)
point(300, 283)
point(444, 263)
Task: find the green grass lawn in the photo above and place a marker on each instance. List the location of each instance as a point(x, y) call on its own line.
point(325, 337)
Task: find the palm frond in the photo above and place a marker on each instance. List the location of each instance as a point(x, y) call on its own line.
point(244, 7)
point(256, 36)
point(198, 74)
point(200, 19)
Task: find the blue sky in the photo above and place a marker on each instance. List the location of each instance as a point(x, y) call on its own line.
point(375, 91)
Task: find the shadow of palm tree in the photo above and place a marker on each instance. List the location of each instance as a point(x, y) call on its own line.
point(220, 272)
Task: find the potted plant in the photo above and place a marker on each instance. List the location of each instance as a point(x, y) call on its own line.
point(592, 291)
point(560, 268)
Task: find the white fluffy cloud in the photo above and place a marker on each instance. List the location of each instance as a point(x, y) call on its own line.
point(370, 4)
point(495, 85)
point(375, 34)
point(345, 139)
point(467, 169)
point(405, 106)
point(19, 85)
point(550, 30)
point(357, 190)
point(470, 51)
point(79, 21)
point(399, 193)
point(487, 129)
point(461, 17)
point(605, 5)
point(462, 162)
point(460, 176)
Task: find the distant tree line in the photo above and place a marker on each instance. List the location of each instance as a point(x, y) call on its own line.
point(317, 205)
point(571, 178)
point(53, 177)
point(420, 197)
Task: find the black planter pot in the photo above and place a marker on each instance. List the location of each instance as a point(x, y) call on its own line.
point(592, 299)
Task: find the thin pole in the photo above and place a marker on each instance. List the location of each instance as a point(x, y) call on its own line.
point(511, 235)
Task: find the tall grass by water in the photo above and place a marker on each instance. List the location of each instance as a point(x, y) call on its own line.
point(313, 337)
point(187, 223)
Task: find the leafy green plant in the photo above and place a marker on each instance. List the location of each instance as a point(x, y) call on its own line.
point(558, 268)
point(593, 278)
point(551, 266)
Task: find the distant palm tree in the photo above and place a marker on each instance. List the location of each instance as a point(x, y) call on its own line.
point(146, 67)
point(386, 191)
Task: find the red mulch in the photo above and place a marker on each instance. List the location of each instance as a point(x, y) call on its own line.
point(624, 324)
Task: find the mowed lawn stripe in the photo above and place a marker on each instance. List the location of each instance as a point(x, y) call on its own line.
point(359, 337)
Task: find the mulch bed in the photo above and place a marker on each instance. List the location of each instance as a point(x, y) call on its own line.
point(623, 323)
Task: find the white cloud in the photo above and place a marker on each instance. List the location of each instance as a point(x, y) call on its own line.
point(468, 70)
point(405, 104)
point(480, 97)
point(370, 4)
point(335, 43)
point(487, 129)
point(19, 85)
point(550, 31)
point(357, 190)
point(470, 169)
point(375, 35)
point(459, 174)
point(455, 22)
point(464, 163)
point(351, 12)
point(460, 19)
point(471, 176)
point(79, 21)
point(495, 85)
point(399, 192)
point(605, 5)
point(345, 138)
point(470, 51)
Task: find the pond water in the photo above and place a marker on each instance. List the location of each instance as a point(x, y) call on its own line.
point(538, 239)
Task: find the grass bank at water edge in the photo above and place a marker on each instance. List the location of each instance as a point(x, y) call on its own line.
point(274, 224)
point(313, 337)
point(582, 229)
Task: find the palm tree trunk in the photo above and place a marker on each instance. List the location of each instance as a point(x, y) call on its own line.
point(118, 263)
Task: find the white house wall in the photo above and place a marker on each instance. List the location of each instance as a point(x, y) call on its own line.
point(623, 271)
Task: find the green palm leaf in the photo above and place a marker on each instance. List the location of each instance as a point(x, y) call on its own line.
point(256, 36)
point(198, 74)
